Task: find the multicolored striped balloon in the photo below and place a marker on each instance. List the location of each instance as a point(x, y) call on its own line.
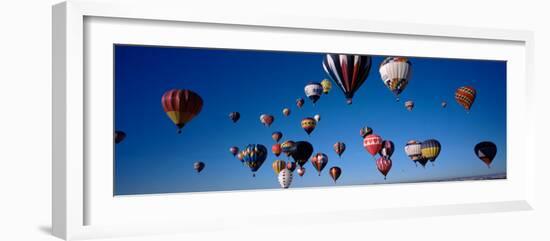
point(181, 106)
point(254, 156)
point(319, 161)
point(308, 124)
point(278, 166)
point(384, 165)
point(335, 173)
point(430, 149)
point(348, 71)
point(339, 148)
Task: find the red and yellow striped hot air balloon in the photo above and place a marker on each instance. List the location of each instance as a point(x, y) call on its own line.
point(465, 96)
point(181, 106)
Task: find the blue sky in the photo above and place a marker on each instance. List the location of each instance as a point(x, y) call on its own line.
point(155, 159)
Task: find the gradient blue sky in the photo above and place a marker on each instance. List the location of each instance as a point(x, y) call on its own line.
point(154, 159)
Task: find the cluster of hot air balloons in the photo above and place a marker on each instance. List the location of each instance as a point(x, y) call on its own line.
point(422, 152)
point(348, 72)
point(375, 145)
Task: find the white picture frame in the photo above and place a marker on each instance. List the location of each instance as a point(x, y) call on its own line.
point(84, 207)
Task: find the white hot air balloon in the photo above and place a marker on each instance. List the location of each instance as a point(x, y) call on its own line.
point(285, 178)
point(317, 117)
point(413, 150)
point(409, 104)
point(313, 91)
point(396, 73)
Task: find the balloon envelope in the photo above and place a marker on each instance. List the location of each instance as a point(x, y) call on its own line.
point(234, 116)
point(254, 156)
point(308, 124)
point(181, 106)
point(198, 166)
point(384, 165)
point(372, 143)
point(396, 73)
point(313, 91)
point(319, 161)
point(339, 148)
point(303, 151)
point(119, 136)
point(430, 149)
point(276, 136)
point(285, 178)
point(465, 96)
point(349, 72)
point(486, 151)
point(335, 173)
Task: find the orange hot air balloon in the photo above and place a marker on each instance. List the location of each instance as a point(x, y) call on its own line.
point(181, 106)
point(335, 173)
point(465, 96)
point(276, 149)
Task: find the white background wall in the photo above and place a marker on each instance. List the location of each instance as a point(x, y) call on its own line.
point(25, 124)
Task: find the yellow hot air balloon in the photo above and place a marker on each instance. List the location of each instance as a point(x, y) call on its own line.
point(326, 86)
point(278, 166)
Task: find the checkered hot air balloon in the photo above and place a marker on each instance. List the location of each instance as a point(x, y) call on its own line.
point(396, 73)
point(465, 96)
point(348, 71)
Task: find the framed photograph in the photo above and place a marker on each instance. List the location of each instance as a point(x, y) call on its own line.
point(163, 126)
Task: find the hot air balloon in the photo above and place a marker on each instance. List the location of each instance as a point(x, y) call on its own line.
point(372, 143)
point(409, 104)
point(317, 117)
point(444, 104)
point(266, 119)
point(430, 149)
point(326, 86)
point(423, 161)
point(308, 124)
point(387, 149)
point(198, 166)
point(286, 111)
point(240, 156)
point(384, 165)
point(339, 148)
point(291, 166)
point(299, 102)
point(396, 73)
point(313, 91)
point(465, 96)
point(288, 147)
point(486, 151)
point(234, 150)
point(285, 178)
point(303, 151)
point(181, 106)
point(365, 131)
point(301, 171)
point(278, 166)
point(349, 72)
point(335, 173)
point(234, 116)
point(254, 156)
point(119, 136)
point(276, 136)
point(319, 161)
point(276, 149)
point(413, 150)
